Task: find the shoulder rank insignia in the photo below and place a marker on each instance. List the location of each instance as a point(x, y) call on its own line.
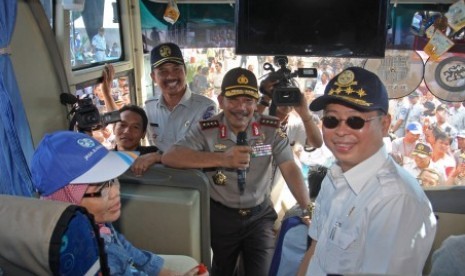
point(209, 124)
point(269, 121)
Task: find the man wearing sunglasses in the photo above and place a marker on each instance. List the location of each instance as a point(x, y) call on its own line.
point(371, 216)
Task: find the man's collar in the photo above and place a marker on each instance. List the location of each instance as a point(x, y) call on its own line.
point(358, 176)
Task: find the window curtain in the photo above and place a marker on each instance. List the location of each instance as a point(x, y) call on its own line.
point(15, 137)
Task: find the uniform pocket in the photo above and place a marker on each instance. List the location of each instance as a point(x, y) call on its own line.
point(343, 249)
point(343, 239)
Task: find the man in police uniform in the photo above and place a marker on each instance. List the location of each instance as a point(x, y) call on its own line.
point(172, 113)
point(241, 216)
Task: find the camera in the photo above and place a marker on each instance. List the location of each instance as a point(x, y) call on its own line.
point(85, 115)
point(286, 91)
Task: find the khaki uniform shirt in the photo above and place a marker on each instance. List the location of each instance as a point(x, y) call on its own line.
point(267, 141)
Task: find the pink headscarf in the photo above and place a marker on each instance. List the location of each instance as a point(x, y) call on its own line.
point(72, 193)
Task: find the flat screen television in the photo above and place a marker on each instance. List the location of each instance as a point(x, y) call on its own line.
point(333, 28)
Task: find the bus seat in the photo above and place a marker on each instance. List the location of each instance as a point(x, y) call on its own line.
point(166, 211)
point(449, 208)
point(41, 237)
point(290, 247)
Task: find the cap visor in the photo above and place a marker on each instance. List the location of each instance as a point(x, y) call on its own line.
point(322, 101)
point(114, 164)
point(421, 155)
point(169, 60)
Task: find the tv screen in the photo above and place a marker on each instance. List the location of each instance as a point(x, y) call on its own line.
point(332, 28)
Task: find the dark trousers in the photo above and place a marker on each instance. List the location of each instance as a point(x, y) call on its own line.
point(251, 235)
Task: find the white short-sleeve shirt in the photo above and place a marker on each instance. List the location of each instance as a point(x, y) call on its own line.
point(372, 219)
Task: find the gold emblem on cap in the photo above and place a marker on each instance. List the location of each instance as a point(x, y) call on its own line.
point(346, 79)
point(421, 147)
point(242, 79)
point(165, 51)
point(344, 89)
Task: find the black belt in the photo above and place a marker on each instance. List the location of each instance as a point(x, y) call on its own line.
point(244, 212)
point(219, 169)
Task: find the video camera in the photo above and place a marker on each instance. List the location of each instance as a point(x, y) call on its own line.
point(85, 115)
point(287, 92)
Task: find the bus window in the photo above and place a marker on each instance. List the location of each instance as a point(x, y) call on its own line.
point(95, 34)
point(120, 91)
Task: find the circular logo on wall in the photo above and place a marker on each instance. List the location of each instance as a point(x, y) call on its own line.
point(445, 77)
point(401, 71)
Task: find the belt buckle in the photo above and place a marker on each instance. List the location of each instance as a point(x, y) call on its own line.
point(244, 212)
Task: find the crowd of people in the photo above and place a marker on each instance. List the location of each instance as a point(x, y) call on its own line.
point(420, 106)
point(85, 50)
point(255, 152)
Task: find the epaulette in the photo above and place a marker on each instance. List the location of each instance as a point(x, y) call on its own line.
point(209, 124)
point(269, 121)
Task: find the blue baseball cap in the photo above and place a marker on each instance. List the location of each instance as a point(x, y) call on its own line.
point(66, 157)
point(357, 88)
point(415, 128)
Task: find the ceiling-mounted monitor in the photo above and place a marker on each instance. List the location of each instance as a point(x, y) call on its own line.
point(330, 28)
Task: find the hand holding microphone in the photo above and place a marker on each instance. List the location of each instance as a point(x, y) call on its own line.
point(241, 173)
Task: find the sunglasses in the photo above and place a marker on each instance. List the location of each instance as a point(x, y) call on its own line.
point(103, 190)
point(354, 122)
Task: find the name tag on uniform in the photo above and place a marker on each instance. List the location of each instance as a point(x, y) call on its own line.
point(261, 150)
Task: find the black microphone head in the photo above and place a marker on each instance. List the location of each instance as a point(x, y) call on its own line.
point(66, 98)
point(242, 138)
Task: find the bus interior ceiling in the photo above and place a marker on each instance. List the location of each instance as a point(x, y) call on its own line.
point(42, 76)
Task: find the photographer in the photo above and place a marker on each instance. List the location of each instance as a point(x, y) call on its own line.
point(299, 124)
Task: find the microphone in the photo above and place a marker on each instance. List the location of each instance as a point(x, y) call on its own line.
point(66, 98)
point(241, 174)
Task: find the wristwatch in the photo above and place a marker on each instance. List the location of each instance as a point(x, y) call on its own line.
point(308, 211)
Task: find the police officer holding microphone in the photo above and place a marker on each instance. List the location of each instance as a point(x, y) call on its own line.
point(237, 144)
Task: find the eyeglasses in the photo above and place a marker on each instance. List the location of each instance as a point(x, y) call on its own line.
point(354, 122)
point(103, 190)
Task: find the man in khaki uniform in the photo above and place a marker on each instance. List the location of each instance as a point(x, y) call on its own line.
point(241, 214)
